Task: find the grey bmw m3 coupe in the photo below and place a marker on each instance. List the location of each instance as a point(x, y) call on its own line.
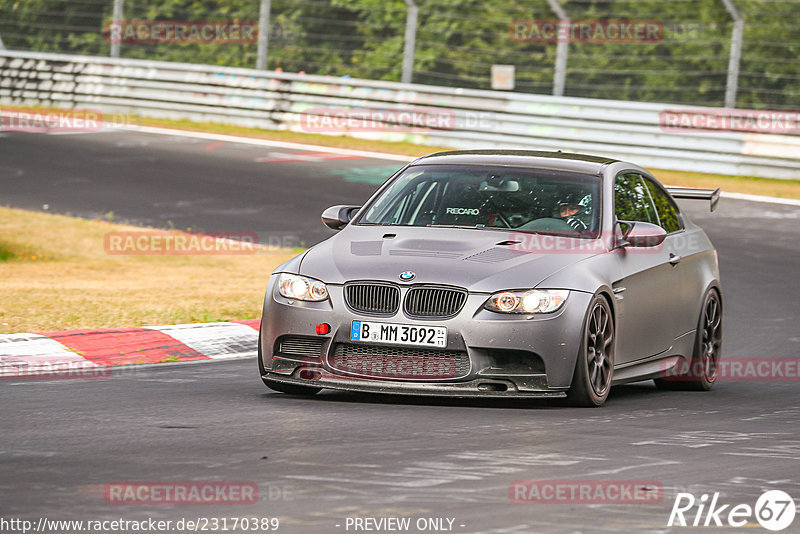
point(499, 273)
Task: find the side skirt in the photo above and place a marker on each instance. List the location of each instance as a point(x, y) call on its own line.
point(655, 366)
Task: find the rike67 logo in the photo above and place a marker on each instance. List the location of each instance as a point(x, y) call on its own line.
point(774, 510)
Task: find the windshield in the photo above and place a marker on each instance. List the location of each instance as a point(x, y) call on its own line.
point(532, 200)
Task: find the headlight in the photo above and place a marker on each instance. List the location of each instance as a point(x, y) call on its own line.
point(293, 286)
point(530, 301)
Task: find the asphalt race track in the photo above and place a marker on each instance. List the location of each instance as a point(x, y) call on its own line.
point(318, 461)
point(212, 187)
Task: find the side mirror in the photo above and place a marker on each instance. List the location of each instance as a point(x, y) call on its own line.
point(641, 234)
point(337, 217)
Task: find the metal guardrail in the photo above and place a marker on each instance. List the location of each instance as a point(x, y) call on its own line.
point(476, 119)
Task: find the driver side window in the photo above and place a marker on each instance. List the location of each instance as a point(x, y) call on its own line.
point(632, 200)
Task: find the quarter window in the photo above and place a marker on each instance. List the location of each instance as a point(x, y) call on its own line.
point(667, 212)
point(632, 201)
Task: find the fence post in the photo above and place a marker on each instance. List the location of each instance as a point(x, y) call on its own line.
point(562, 48)
point(735, 56)
point(410, 42)
point(2, 46)
point(116, 18)
point(263, 34)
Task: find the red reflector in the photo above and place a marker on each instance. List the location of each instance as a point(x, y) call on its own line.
point(323, 329)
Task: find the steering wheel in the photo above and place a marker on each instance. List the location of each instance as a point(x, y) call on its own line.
point(490, 202)
point(576, 224)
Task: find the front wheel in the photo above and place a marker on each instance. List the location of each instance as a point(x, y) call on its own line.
point(594, 369)
point(702, 371)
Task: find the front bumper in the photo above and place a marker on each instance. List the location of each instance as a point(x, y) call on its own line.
point(509, 355)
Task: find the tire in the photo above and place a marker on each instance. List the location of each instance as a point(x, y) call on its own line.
point(594, 369)
point(289, 389)
point(701, 373)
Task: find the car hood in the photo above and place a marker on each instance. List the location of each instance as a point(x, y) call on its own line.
point(479, 260)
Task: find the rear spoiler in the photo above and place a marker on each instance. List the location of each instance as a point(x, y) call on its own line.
point(711, 195)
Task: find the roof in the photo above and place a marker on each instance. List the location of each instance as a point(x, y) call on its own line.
point(519, 158)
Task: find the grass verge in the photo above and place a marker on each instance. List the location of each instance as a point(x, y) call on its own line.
point(751, 185)
point(55, 274)
point(402, 148)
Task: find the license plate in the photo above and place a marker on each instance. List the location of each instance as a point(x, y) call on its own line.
point(399, 334)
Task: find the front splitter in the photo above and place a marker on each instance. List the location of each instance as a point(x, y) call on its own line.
point(479, 388)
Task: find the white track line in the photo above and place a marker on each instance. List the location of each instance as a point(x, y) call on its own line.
point(366, 154)
point(760, 198)
point(265, 142)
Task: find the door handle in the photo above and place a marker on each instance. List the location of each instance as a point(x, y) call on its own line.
point(674, 259)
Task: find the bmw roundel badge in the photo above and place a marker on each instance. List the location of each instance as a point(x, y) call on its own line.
point(407, 275)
